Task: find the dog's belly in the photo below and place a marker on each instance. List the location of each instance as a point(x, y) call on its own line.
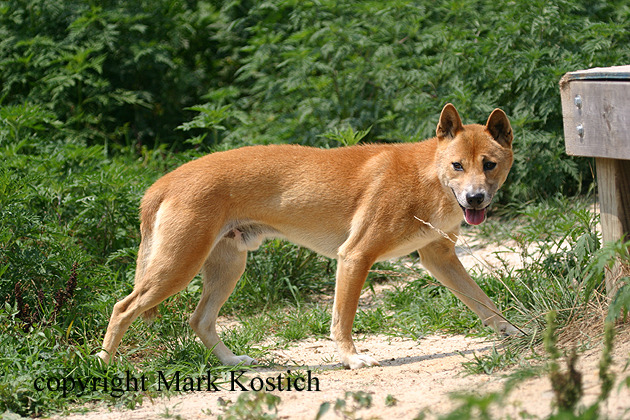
point(250, 235)
point(326, 246)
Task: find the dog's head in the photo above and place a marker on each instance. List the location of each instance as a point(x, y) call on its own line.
point(473, 160)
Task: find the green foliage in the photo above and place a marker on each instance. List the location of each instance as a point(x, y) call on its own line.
point(422, 306)
point(306, 68)
point(347, 137)
point(348, 406)
point(303, 322)
point(280, 272)
point(488, 363)
point(621, 303)
point(119, 71)
point(562, 264)
point(129, 73)
point(68, 234)
point(617, 253)
point(373, 321)
point(253, 406)
point(390, 400)
point(606, 377)
point(46, 353)
point(566, 386)
point(65, 209)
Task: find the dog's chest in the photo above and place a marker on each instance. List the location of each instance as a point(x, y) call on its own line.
point(409, 244)
point(423, 233)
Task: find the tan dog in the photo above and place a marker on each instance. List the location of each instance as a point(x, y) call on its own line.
point(358, 204)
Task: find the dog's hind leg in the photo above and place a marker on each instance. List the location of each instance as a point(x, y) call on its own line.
point(221, 271)
point(172, 255)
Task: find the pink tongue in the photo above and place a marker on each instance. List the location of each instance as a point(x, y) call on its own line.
point(474, 217)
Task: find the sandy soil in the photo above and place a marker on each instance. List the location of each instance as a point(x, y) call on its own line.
point(418, 375)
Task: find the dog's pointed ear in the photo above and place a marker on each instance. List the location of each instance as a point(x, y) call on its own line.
point(499, 128)
point(449, 124)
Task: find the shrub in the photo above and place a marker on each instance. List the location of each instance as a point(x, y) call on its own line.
point(304, 69)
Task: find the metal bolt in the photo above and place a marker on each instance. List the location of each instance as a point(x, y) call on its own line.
point(580, 130)
point(578, 101)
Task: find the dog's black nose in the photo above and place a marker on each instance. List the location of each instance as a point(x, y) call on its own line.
point(475, 199)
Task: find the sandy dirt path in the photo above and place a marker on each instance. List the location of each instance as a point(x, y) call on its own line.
point(419, 376)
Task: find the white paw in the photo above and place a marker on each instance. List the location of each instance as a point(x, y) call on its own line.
point(507, 329)
point(358, 361)
point(239, 360)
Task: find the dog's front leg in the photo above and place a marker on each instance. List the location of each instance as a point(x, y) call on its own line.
point(351, 274)
point(440, 259)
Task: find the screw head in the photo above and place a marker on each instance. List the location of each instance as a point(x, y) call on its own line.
point(578, 101)
point(580, 130)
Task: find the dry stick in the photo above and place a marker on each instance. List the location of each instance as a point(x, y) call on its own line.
point(446, 236)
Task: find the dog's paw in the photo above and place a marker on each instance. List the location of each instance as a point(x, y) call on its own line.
point(507, 329)
point(357, 361)
point(240, 360)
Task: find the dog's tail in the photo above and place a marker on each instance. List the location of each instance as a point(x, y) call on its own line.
point(149, 207)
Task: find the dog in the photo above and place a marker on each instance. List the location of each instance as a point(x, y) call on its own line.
point(359, 204)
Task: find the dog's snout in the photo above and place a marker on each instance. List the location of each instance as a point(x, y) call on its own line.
point(475, 199)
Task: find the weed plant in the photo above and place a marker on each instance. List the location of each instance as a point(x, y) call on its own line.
point(281, 273)
point(252, 406)
point(348, 406)
point(566, 383)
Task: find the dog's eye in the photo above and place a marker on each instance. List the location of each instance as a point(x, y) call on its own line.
point(458, 166)
point(488, 166)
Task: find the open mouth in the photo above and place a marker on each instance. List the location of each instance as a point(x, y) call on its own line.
point(474, 216)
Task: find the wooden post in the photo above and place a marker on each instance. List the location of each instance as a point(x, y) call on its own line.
point(596, 115)
point(613, 180)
